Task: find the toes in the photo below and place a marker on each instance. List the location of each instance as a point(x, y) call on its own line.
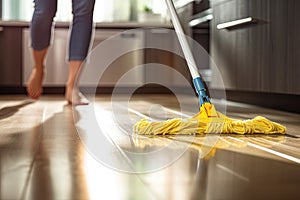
point(34, 94)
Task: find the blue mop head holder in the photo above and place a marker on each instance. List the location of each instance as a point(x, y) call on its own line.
point(201, 91)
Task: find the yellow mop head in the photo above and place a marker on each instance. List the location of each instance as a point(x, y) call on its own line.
point(208, 120)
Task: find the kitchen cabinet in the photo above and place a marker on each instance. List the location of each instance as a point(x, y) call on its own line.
point(261, 55)
point(274, 75)
point(115, 59)
point(251, 54)
point(105, 66)
point(163, 48)
point(10, 56)
point(223, 45)
point(16, 60)
point(114, 53)
point(293, 44)
point(199, 23)
point(157, 43)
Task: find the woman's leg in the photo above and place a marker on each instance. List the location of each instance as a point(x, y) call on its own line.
point(34, 85)
point(40, 30)
point(72, 94)
point(79, 45)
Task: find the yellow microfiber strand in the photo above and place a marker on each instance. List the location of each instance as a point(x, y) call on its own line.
point(208, 120)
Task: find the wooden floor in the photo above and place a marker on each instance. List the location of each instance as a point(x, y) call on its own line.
point(50, 150)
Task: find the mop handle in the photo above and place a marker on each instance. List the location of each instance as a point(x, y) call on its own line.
point(197, 80)
point(182, 40)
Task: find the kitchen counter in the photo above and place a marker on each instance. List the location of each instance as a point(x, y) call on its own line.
point(99, 25)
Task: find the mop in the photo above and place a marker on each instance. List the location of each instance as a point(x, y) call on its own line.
point(208, 120)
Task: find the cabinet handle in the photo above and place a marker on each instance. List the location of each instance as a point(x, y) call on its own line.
point(160, 31)
point(239, 23)
point(128, 35)
point(201, 17)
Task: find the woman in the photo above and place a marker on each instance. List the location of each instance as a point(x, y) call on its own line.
point(41, 26)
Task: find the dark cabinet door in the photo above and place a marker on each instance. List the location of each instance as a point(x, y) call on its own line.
point(240, 51)
point(223, 45)
point(10, 56)
point(263, 64)
point(293, 43)
point(252, 45)
point(274, 75)
point(262, 55)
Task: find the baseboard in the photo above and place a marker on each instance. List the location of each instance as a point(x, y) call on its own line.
point(285, 102)
point(146, 89)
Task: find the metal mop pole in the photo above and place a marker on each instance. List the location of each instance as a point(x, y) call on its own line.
point(197, 79)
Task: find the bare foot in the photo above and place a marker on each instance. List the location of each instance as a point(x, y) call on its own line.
point(34, 85)
point(75, 97)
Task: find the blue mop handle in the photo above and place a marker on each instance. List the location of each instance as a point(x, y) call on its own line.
point(197, 80)
point(201, 91)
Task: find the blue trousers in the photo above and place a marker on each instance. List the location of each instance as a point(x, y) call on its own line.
point(82, 25)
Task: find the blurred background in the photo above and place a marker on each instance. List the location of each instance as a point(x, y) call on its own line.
point(105, 11)
point(254, 45)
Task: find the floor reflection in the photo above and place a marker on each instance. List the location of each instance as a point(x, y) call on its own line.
point(206, 145)
point(57, 170)
point(216, 168)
